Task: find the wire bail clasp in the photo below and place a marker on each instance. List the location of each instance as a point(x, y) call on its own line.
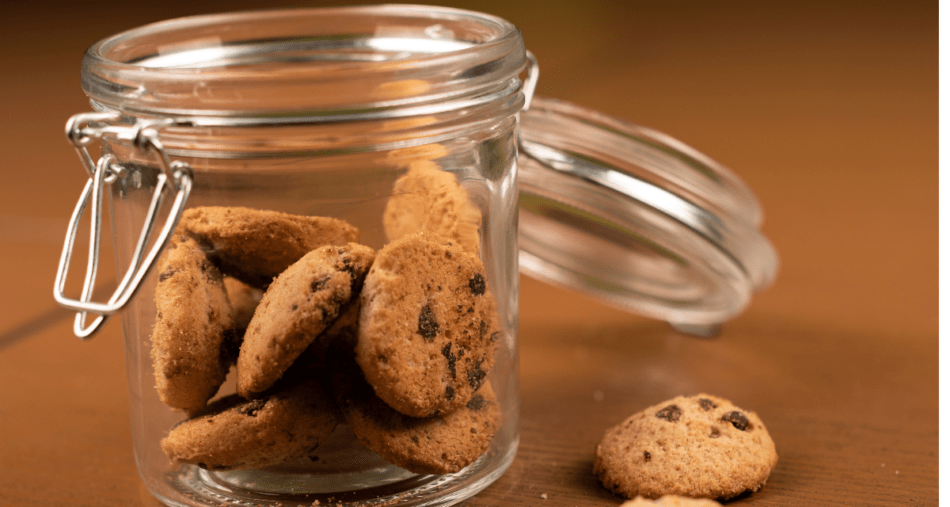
point(175, 178)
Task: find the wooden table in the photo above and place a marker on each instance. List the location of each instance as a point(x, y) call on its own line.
point(827, 109)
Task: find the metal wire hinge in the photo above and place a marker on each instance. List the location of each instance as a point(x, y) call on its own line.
point(175, 179)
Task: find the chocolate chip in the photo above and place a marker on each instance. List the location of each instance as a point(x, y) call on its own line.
point(319, 284)
point(428, 327)
point(449, 393)
point(251, 408)
point(168, 273)
point(477, 284)
point(738, 419)
point(647, 456)
point(671, 413)
point(476, 404)
point(450, 357)
point(415, 439)
point(473, 430)
point(293, 307)
point(707, 404)
point(475, 375)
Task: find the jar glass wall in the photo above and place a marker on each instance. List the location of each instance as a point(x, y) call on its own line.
point(396, 121)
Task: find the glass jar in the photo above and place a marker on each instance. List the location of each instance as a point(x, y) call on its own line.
point(402, 122)
point(320, 113)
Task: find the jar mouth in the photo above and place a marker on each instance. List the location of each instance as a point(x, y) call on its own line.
point(306, 63)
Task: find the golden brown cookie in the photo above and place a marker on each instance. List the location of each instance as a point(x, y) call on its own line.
point(255, 246)
point(244, 300)
point(300, 303)
point(429, 199)
point(192, 329)
point(430, 445)
point(671, 501)
point(427, 326)
point(234, 433)
point(696, 446)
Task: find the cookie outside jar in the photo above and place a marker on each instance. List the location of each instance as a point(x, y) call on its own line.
point(398, 121)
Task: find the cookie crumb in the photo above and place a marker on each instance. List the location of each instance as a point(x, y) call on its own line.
point(544, 496)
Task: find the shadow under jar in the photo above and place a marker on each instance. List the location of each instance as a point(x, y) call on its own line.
point(323, 112)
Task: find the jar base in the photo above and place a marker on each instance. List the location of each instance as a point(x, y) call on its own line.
point(191, 486)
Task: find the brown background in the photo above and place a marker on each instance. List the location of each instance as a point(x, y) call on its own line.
point(828, 110)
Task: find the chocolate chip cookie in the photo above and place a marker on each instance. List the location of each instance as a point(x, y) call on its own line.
point(696, 446)
point(255, 246)
point(300, 304)
point(430, 445)
point(427, 326)
point(235, 433)
point(193, 328)
point(671, 501)
point(430, 199)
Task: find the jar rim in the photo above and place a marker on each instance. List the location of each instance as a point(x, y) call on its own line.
point(304, 62)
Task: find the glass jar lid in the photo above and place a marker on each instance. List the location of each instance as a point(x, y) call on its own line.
point(306, 65)
point(637, 219)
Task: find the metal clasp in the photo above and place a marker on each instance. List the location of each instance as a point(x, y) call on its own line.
point(176, 178)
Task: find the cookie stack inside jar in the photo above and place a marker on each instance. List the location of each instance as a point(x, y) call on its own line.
point(325, 335)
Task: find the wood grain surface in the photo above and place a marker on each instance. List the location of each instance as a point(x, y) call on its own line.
point(828, 110)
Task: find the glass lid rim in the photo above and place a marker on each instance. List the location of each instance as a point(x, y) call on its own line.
point(567, 167)
point(508, 35)
point(304, 61)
